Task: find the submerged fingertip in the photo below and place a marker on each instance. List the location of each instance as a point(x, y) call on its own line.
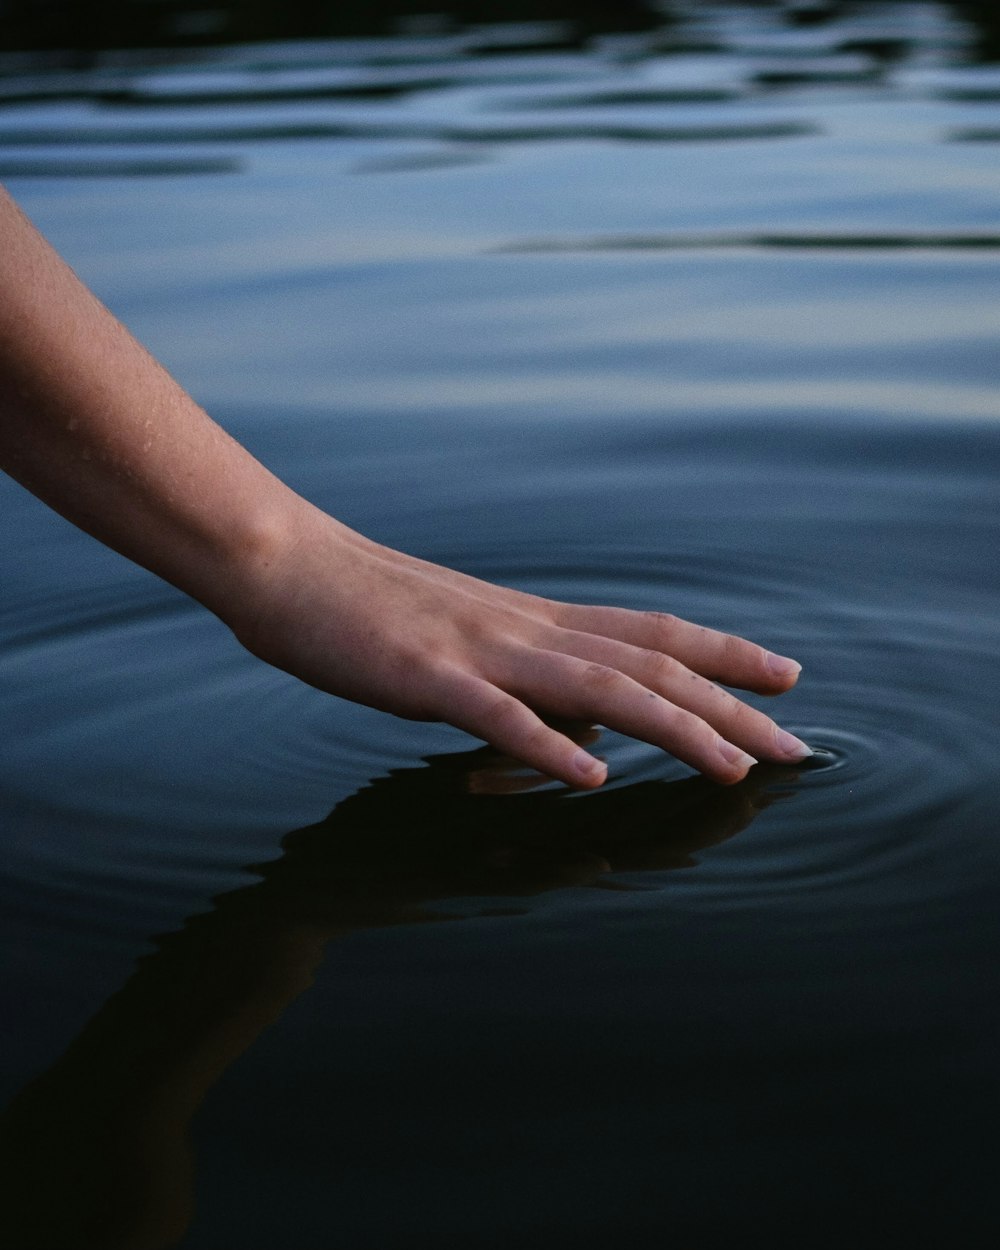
point(792, 748)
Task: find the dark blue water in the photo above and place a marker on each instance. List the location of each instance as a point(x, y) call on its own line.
point(704, 321)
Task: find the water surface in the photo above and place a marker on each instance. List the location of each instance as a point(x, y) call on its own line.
point(712, 331)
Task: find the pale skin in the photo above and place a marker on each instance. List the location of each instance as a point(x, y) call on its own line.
point(90, 423)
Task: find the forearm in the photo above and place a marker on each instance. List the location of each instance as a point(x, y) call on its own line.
point(92, 424)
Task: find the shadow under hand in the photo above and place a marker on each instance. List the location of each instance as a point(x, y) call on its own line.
point(95, 1150)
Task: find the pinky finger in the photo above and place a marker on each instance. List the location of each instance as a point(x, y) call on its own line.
point(482, 709)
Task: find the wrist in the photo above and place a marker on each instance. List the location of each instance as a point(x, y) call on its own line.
point(269, 560)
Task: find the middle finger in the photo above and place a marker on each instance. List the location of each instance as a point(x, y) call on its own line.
point(737, 721)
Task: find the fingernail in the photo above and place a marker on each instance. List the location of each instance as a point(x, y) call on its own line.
point(790, 746)
point(587, 768)
point(782, 666)
point(733, 755)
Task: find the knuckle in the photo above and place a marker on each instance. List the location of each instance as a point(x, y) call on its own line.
point(696, 738)
point(745, 717)
point(512, 727)
point(700, 731)
point(662, 669)
point(506, 727)
point(662, 625)
point(546, 610)
point(733, 648)
point(504, 714)
point(601, 678)
point(536, 741)
point(681, 723)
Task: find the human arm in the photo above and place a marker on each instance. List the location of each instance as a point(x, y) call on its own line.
point(94, 426)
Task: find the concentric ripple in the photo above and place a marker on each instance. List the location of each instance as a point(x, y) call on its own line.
point(901, 733)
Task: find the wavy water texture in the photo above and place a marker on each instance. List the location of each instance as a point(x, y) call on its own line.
point(698, 318)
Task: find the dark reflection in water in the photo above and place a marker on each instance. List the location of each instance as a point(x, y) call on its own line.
point(468, 133)
point(627, 99)
point(702, 318)
point(156, 168)
point(258, 93)
point(848, 241)
point(95, 1151)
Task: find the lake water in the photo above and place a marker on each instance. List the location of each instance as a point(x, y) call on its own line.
point(702, 320)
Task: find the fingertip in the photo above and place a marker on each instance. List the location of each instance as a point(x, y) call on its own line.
point(791, 748)
point(738, 762)
point(782, 667)
point(587, 771)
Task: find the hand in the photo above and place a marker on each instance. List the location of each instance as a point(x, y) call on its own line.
point(397, 633)
point(96, 428)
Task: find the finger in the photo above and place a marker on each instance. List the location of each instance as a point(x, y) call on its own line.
point(487, 712)
point(503, 774)
point(731, 717)
point(719, 656)
point(569, 686)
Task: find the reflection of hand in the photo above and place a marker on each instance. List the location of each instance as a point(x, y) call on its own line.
point(409, 637)
point(95, 1150)
point(469, 826)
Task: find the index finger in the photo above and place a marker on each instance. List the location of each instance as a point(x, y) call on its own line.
point(721, 657)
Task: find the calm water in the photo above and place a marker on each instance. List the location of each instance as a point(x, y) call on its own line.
point(705, 322)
